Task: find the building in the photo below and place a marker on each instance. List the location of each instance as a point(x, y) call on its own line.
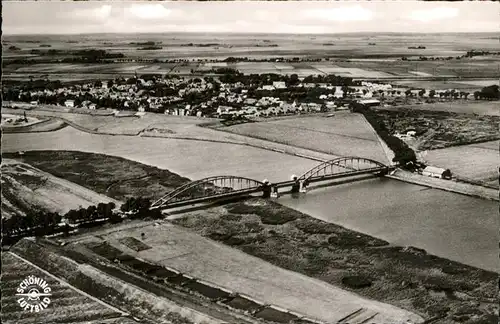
point(370, 102)
point(268, 87)
point(279, 84)
point(69, 103)
point(436, 172)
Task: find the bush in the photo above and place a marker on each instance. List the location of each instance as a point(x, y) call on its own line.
point(314, 227)
point(357, 282)
point(438, 284)
point(450, 269)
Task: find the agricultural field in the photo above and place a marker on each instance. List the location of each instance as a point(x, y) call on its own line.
point(474, 162)
point(404, 277)
point(106, 175)
point(187, 45)
point(26, 188)
point(360, 55)
point(341, 135)
point(67, 305)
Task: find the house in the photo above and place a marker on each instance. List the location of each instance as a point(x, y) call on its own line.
point(268, 87)
point(279, 84)
point(69, 103)
point(436, 172)
point(92, 106)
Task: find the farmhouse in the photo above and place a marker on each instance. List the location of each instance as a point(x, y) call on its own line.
point(435, 172)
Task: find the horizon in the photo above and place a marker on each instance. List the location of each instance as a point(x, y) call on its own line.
point(237, 17)
point(260, 33)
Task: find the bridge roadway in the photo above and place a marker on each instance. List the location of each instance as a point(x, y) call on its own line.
point(375, 171)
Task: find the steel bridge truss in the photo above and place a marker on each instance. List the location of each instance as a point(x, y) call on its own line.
point(217, 186)
point(343, 166)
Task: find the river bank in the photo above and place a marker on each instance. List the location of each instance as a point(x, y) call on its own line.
point(447, 185)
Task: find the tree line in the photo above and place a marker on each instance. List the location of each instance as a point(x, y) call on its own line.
point(42, 223)
point(403, 154)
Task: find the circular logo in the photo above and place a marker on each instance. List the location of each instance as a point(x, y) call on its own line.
point(34, 293)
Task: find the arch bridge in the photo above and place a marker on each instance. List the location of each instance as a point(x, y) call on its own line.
point(343, 167)
point(226, 186)
point(204, 189)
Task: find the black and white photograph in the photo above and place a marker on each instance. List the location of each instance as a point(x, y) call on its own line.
point(248, 162)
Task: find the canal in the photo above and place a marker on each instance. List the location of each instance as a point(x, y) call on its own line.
point(450, 225)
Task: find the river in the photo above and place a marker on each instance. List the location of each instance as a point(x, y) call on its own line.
point(450, 225)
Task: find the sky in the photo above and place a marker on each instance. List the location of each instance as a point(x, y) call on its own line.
point(294, 17)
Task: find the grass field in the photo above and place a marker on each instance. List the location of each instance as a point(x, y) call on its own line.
point(404, 277)
point(477, 162)
point(67, 305)
point(111, 176)
point(341, 135)
point(26, 189)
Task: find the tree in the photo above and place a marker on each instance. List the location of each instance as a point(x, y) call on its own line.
point(408, 92)
point(293, 80)
point(490, 92)
point(421, 92)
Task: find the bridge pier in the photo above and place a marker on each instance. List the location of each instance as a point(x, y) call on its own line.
point(274, 192)
point(303, 186)
point(266, 190)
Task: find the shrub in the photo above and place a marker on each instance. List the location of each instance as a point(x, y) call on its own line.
point(314, 227)
point(438, 284)
point(276, 218)
point(357, 282)
point(450, 269)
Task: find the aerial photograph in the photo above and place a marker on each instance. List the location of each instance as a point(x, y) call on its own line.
point(250, 162)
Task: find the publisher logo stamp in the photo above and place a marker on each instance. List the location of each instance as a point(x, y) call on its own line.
point(34, 293)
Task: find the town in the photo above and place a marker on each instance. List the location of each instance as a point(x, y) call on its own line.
point(229, 95)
